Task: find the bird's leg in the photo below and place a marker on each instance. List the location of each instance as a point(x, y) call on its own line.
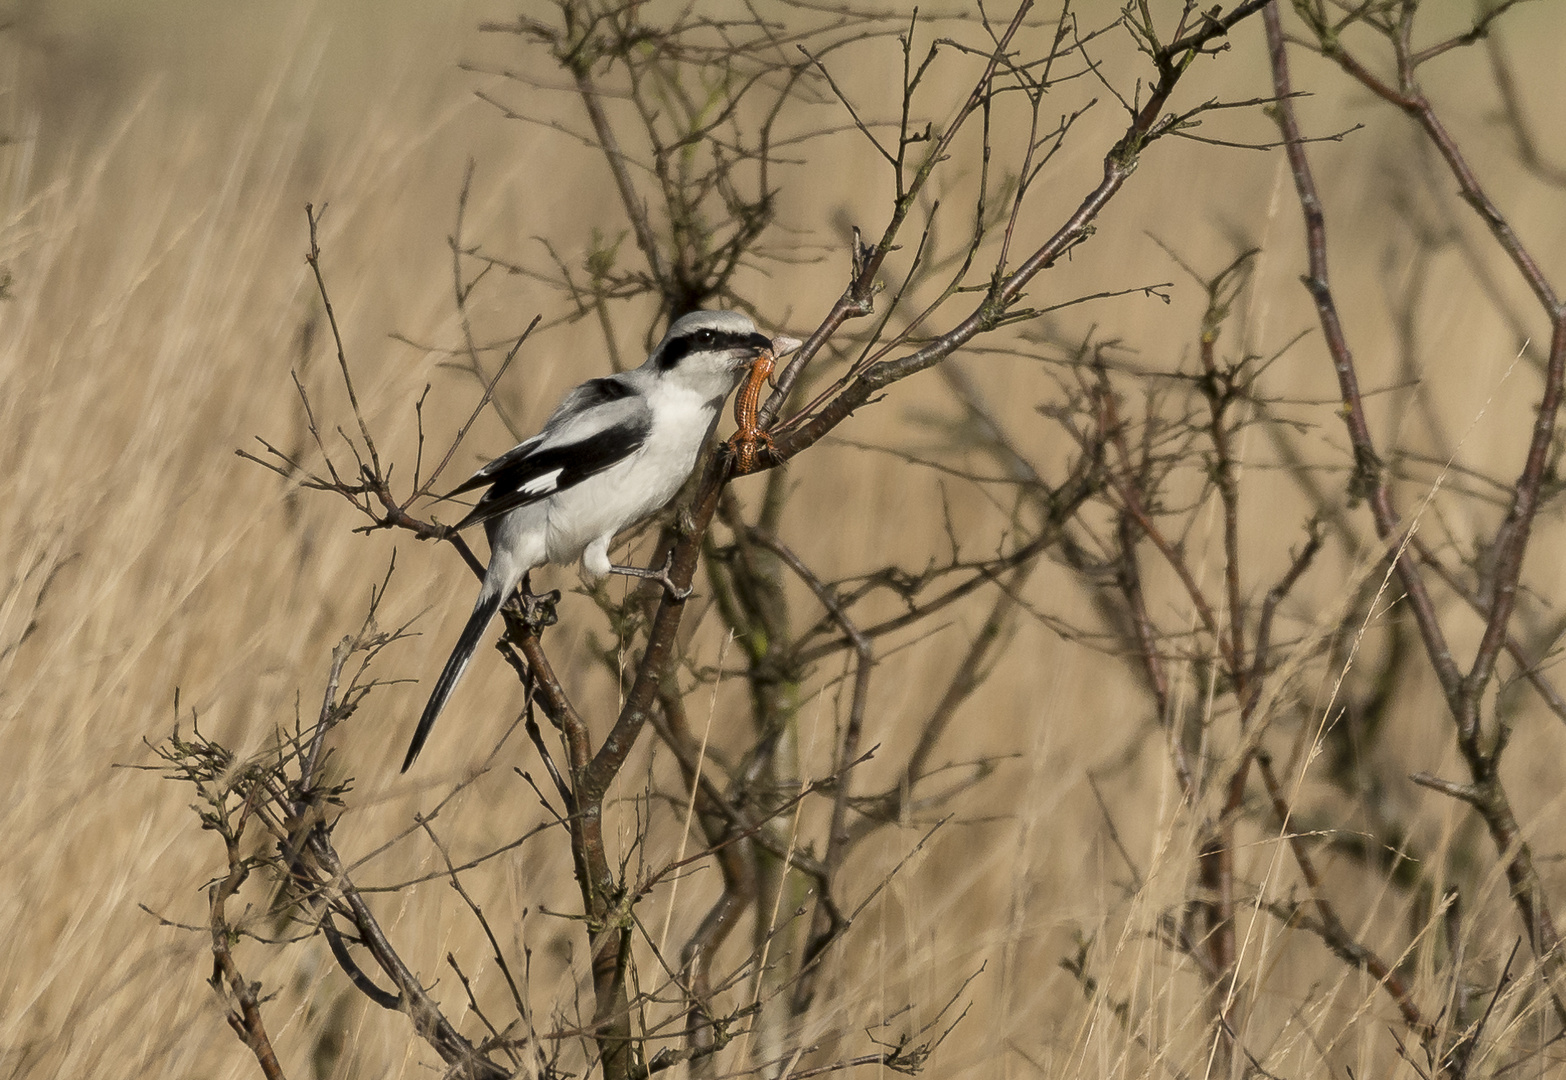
point(538, 609)
point(660, 575)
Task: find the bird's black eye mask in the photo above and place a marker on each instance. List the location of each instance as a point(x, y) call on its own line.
point(708, 340)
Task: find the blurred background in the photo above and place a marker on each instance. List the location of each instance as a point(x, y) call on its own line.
point(156, 161)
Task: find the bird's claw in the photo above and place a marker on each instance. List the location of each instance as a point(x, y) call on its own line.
point(538, 611)
point(661, 576)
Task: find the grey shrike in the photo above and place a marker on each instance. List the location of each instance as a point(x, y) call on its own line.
point(615, 451)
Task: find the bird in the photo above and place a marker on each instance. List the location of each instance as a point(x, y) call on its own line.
point(613, 453)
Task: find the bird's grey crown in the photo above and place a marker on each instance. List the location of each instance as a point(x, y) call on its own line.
point(713, 332)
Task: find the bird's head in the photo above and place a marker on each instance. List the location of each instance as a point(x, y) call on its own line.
point(708, 347)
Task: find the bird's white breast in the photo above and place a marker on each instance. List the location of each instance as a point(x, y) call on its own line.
point(638, 487)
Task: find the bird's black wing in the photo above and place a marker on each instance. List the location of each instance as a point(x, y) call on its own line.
point(598, 426)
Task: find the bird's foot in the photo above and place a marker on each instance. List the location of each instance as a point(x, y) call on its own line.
point(538, 609)
point(660, 575)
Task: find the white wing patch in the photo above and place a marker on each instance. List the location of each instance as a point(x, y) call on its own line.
point(540, 484)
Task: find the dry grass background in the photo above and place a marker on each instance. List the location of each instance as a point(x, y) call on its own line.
point(151, 215)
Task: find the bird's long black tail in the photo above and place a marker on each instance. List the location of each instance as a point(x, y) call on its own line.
point(467, 644)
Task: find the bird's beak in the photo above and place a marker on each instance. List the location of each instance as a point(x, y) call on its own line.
point(782, 346)
point(757, 344)
point(743, 356)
